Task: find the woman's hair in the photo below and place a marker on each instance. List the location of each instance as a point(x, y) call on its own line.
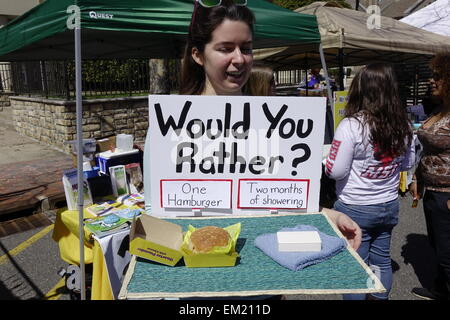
point(206, 20)
point(374, 100)
point(441, 64)
point(260, 82)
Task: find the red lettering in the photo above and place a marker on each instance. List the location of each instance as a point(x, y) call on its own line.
point(332, 156)
point(380, 172)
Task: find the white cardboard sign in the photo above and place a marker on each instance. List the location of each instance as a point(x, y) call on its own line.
point(209, 139)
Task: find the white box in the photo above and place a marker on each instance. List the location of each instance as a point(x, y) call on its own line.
point(299, 241)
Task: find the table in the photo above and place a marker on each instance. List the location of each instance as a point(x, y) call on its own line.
point(255, 273)
point(103, 254)
point(312, 92)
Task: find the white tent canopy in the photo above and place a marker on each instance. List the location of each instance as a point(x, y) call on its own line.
point(434, 18)
point(347, 39)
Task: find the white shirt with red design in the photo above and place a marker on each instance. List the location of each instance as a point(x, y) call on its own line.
point(361, 178)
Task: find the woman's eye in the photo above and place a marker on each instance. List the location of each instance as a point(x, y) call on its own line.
point(225, 49)
point(246, 50)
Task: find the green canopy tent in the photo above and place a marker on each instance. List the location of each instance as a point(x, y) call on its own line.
point(102, 29)
point(134, 29)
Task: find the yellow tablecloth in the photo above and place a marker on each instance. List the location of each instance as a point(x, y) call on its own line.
point(66, 234)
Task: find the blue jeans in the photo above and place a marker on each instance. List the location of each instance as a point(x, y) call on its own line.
point(376, 222)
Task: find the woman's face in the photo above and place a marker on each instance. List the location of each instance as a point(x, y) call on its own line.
point(227, 58)
point(436, 84)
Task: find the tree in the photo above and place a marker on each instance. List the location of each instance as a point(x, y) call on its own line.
point(294, 4)
point(159, 76)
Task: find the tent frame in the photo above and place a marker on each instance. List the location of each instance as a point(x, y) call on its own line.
point(80, 175)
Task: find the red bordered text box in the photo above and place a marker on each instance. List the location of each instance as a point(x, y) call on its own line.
point(274, 180)
point(214, 180)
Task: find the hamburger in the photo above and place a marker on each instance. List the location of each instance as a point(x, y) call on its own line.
point(203, 240)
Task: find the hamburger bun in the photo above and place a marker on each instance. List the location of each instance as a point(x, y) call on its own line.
point(203, 240)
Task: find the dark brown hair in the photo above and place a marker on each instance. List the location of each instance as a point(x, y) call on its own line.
point(374, 100)
point(441, 64)
point(206, 20)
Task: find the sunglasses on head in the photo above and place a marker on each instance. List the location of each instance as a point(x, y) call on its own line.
point(437, 76)
point(211, 4)
point(215, 3)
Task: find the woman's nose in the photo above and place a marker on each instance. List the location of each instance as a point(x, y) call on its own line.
point(238, 57)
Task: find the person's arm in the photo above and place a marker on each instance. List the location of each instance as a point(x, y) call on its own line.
point(416, 187)
point(410, 157)
point(339, 161)
point(348, 227)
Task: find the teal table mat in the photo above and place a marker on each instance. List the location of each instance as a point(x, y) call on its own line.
point(255, 273)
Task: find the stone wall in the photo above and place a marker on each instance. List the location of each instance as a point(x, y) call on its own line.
point(54, 121)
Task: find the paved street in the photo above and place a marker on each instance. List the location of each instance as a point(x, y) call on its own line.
point(28, 266)
point(412, 258)
point(32, 273)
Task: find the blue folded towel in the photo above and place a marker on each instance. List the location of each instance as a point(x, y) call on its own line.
point(295, 261)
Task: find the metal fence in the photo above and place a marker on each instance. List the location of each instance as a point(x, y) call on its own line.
point(413, 80)
point(290, 77)
point(5, 77)
point(101, 78)
point(113, 78)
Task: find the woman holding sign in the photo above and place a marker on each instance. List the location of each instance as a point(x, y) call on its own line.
point(218, 60)
point(372, 144)
point(218, 56)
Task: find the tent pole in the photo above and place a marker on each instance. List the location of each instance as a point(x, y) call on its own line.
point(341, 69)
point(306, 74)
point(329, 119)
point(79, 115)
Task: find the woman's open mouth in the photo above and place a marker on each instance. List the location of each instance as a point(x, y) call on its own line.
point(235, 75)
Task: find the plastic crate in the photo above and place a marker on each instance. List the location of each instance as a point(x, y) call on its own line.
point(108, 159)
point(91, 173)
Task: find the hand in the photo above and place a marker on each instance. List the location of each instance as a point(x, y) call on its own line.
point(349, 228)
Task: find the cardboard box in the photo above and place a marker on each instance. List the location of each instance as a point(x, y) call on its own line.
point(106, 144)
point(220, 257)
point(208, 260)
point(156, 240)
point(299, 241)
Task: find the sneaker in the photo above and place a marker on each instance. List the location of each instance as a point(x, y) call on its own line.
point(429, 294)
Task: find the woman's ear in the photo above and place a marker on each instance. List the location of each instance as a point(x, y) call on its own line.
point(197, 56)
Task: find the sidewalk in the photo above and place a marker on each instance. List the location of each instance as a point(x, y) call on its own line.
point(30, 170)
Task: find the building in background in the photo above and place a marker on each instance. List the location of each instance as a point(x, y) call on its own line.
point(10, 9)
point(396, 9)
